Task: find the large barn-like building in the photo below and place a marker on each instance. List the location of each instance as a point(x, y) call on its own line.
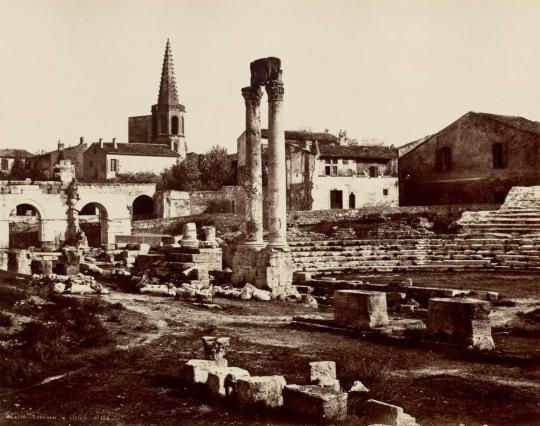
point(476, 159)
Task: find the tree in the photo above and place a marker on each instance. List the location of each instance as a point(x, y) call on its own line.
point(18, 171)
point(183, 176)
point(216, 168)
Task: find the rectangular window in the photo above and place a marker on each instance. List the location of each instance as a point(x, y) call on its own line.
point(345, 161)
point(385, 192)
point(373, 171)
point(327, 170)
point(334, 170)
point(114, 165)
point(500, 158)
point(91, 164)
point(443, 159)
point(5, 164)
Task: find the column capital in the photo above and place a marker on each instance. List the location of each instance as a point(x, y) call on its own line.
point(252, 95)
point(275, 90)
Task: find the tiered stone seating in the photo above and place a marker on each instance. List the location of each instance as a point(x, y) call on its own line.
point(519, 215)
point(451, 253)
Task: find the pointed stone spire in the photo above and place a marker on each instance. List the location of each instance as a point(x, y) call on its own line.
point(167, 88)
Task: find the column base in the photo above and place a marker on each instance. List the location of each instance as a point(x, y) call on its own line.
point(244, 264)
point(275, 269)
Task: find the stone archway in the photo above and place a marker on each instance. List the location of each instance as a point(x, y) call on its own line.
point(143, 208)
point(25, 226)
point(94, 222)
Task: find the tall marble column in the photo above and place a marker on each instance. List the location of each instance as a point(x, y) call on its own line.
point(253, 179)
point(277, 189)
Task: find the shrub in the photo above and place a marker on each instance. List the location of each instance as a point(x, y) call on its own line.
point(5, 320)
point(10, 295)
point(42, 341)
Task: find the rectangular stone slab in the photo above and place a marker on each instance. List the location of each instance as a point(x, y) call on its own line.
point(216, 379)
point(360, 309)
point(263, 390)
point(315, 401)
point(196, 371)
point(460, 321)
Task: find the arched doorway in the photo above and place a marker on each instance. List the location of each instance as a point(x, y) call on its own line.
point(143, 208)
point(24, 226)
point(94, 222)
point(352, 201)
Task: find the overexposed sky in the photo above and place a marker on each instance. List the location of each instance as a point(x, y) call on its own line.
point(393, 70)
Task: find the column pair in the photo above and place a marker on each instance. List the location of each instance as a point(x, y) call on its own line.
point(277, 196)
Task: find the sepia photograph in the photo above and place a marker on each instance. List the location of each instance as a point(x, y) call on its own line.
point(255, 212)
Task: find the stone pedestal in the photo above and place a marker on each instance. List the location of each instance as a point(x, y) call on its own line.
point(360, 309)
point(69, 261)
point(460, 321)
point(274, 270)
point(19, 261)
point(244, 267)
point(43, 267)
point(189, 236)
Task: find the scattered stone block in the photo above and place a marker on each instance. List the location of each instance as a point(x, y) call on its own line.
point(460, 321)
point(315, 401)
point(196, 371)
point(218, 378)
point(322, 370)
point(19, 262)
point(378, 412)
point(360, 309)
point(260, 390)
point(155, 289)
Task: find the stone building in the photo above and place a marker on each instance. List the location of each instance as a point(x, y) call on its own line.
point(104, 160)
point(8, 156)
point(323, 174)
point(476, 159)
point(43, 165)
point(165, 126)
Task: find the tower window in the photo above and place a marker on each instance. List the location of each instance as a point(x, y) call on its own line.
point(5, 164)
point(500, 157)
point(163, 125)
point(443, 159)
point(174, 125)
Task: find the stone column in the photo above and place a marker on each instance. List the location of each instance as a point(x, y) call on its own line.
point(277, 190)
point(253, 179)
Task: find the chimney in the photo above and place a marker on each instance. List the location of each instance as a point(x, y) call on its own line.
point(101, 142)
point(114, 144)
point(60, 145)
point(81, 140)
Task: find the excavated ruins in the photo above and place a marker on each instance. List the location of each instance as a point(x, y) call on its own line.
point(190, 267)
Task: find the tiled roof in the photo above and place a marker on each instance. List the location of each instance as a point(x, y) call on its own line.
point(299, 135)
point(374, 152)
point(148, 149)
point(519, 123)
point(14, 153)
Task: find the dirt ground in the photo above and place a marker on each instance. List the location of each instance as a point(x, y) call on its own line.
point(138, 384)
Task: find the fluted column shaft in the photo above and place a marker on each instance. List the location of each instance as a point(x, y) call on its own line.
point(253, 178)
point(277, 190)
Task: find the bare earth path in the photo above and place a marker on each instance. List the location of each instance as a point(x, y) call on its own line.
point(139, 385)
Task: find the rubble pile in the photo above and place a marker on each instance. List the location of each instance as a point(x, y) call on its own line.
point(322, 399)
point(70, 284)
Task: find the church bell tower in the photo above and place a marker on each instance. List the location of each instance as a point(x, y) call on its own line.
point(168, 113)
